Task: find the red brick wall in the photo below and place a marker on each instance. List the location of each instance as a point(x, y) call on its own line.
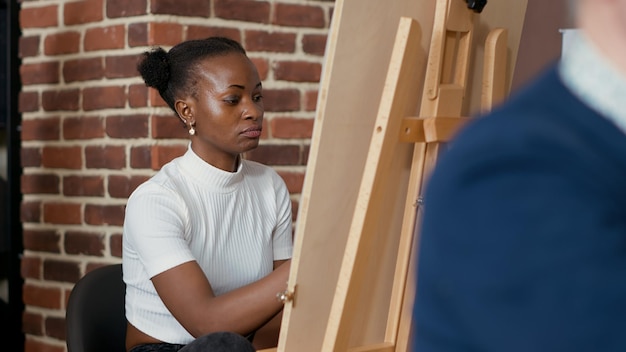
point(92, 131)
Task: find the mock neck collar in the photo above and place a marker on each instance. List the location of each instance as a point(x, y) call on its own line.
point(208, 175)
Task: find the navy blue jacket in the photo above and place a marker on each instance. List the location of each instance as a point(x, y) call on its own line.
point(523, 240)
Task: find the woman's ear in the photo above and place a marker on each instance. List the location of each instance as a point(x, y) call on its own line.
point(184, 111)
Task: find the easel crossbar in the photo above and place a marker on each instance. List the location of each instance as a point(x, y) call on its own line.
point(430, 129)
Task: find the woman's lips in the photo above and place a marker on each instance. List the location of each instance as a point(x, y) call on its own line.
point(252, 132)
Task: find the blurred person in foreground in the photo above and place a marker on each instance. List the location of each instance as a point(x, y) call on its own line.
point(523, 243)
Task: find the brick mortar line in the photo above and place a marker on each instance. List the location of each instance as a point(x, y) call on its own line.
point(82, 200)
point(105, 173)
point(183, 21)
point(128, 112)
point(125, 172)
point(268, 84)
point(104, 229)
point(100, 231)
point(87, 172)
point(145, 141)
point(270, 56)
point(274, 57)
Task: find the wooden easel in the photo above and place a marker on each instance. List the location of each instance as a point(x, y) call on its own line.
point(440, 116)
point(351, 287)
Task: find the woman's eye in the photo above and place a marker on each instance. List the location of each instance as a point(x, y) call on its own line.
point(232, 101)
point(257, 98)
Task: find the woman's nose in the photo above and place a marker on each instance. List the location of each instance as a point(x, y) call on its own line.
point(253, 111)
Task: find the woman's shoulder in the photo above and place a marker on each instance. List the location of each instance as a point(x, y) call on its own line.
point(162, 183)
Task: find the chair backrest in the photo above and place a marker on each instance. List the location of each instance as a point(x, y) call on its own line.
point(95, 319)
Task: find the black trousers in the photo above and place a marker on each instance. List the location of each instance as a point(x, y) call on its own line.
point(215, 342)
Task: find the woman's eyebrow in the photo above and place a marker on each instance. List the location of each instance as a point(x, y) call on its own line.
point(258, 85)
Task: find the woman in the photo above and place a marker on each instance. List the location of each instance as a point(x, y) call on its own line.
point(207, 240)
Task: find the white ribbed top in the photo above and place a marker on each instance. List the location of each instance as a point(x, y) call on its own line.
point(233, 224)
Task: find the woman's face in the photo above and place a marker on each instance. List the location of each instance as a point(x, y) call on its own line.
point(226, 109)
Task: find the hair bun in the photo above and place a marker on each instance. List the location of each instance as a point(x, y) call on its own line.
point(155, 69)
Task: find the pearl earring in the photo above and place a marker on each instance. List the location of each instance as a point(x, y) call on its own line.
point(192, 131)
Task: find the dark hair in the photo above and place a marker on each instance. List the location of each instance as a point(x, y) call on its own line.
point(170, 72)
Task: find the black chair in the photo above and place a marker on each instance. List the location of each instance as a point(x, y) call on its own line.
point(95, 319)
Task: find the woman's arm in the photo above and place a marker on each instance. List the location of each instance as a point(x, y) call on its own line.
point(187, 293)
point(267, 335)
